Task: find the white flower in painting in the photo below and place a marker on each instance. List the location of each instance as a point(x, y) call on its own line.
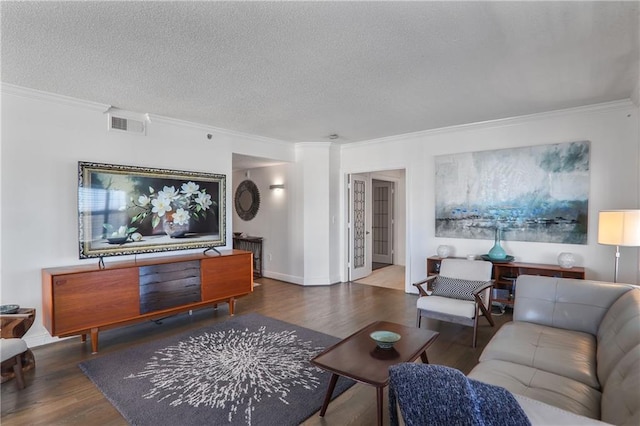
point(204, 200)
point(181, 217)
point(168, 192)
point(161, 205)
point(144, 200)
point(195, 203)
point(189, 188)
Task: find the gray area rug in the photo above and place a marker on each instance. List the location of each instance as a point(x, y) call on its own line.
point(247, 370)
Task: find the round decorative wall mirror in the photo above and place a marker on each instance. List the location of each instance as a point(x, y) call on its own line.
point(247, 200)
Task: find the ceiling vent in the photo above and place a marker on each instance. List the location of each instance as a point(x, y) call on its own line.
point(122, 121)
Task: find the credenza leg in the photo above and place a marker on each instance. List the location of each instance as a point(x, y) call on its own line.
point(232, 306)
point(94, 340)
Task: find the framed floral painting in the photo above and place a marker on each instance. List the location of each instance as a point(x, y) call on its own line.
point(130, 209)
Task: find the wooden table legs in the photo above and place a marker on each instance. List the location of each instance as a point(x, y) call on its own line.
point(332, 386)
point(379, 393)
point(327, 397)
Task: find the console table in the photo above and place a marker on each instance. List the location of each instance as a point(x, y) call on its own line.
point(254, 245)
point(81, 300)
point(506, 273)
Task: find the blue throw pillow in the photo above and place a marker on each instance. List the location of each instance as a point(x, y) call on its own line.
point(455, 288)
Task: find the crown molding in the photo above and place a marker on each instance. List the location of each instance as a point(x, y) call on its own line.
point(314, 144)
point(193, 125)
point(500, 122)
point(25, 92)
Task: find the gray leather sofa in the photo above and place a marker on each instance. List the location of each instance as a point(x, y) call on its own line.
point(571, 355)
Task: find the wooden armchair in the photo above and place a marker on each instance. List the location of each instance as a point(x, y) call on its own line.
point(461, 293)
point(11, 351)
point(16, 356)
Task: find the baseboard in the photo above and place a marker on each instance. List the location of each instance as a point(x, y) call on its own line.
point(283, 277)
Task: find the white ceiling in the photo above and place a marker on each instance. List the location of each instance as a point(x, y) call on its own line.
point(300, 71)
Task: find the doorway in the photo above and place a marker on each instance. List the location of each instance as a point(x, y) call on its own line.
point(382, 227)
point(376, 227)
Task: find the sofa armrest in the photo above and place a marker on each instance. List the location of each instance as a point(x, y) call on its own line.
point(565, 303)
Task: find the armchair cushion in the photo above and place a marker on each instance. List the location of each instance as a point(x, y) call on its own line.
point(10, 348)
point(448, 306)
point(455, 288)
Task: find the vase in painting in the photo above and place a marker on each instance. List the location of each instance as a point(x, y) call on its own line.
point(174, 229)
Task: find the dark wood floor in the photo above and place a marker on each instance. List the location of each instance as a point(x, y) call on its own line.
point(58, 393)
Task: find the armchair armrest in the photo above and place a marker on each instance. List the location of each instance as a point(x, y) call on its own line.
point(428, 281)
point(483, 288)
point(483, 304)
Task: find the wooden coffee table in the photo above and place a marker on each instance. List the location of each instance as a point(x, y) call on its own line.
point(358, 357)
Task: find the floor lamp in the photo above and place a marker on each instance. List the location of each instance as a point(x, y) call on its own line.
point(619, 228)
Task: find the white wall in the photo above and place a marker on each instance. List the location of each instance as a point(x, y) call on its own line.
point(614, 163)
point(319, 201)
point(274, 221)
point(43, 138)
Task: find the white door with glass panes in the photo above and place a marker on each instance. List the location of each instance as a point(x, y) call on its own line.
point(359, 226)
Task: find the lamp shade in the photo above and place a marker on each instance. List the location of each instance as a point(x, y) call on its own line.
point(619, 228)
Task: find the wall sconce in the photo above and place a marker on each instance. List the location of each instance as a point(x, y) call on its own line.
point(619, 228)
point(277, 186)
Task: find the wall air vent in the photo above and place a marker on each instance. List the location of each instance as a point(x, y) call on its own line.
point(121, 121)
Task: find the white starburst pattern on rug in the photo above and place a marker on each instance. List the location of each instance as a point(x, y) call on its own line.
point(231, 370)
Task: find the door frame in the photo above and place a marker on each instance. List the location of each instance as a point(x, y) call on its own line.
point(389, 258)
point(402, 207)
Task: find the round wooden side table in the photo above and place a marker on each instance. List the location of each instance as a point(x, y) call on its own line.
point(17, 325)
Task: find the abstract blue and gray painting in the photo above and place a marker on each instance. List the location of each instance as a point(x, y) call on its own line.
point(537, 193)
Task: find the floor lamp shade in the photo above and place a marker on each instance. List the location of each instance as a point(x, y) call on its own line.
point(619, 228)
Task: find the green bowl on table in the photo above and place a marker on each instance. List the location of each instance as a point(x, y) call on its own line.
point(385, 339)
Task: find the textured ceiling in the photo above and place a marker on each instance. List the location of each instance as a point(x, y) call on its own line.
point(300, 71)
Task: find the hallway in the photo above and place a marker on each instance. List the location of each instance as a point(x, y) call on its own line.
point(391, 276)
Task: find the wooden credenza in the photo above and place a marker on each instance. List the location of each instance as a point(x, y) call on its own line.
point(81, 300)
point(506, 273)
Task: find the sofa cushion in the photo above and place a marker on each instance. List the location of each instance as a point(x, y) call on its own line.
point(543, 414)
point(571, 304)
point(621, 392)
point(455, 288)
point(553, 389)
point(619, 332)
point(568, 353)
